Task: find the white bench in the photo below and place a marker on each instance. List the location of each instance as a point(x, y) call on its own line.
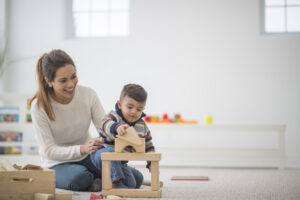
point(163, 133)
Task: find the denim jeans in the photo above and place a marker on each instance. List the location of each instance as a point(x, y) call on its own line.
point(77, 176)
point(130, 176)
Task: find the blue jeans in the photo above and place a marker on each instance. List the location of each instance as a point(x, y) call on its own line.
point(130, 176)
point(77, 176)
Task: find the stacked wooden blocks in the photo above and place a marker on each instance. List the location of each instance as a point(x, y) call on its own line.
point(131, 138)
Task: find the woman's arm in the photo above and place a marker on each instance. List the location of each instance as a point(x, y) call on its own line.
point(45, 139)
point(97, 111)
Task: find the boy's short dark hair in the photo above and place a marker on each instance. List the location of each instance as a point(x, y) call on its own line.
point(135, 92)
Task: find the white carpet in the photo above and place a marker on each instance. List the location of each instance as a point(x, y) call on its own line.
point(231, 184)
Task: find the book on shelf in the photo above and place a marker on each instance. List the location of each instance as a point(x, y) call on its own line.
point(11, 136)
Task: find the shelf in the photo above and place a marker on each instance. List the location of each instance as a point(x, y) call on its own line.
point(15, 96)
point(24, 144)
point(223, 127)
point(22, 159)
point(15, 125)
point(19, 111)
point(170, 137)
point(16, 103)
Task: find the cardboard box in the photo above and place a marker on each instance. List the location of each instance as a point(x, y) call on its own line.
point(22, 184)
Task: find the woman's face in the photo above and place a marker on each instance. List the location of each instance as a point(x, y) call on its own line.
point(64, 84)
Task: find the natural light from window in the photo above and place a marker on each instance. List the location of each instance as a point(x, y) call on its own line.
point(100, 18)
point(282, 16)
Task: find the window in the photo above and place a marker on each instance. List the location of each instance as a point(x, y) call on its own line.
point(281, 16)
point(98, 18)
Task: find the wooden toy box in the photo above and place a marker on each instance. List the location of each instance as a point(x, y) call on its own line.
point(22, 184)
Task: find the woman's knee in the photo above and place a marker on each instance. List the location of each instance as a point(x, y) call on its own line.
point(81, 181)
point(73, 177)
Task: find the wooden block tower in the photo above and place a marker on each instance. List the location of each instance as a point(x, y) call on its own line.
point(131, 138)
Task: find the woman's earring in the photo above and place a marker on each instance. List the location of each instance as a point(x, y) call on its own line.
point(50, 85)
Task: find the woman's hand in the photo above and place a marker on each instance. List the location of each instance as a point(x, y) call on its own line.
point(121, 130)
point(91, 146)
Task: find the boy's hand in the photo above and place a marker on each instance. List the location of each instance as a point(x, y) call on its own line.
point(121, 130)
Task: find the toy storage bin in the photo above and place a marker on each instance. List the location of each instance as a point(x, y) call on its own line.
point(22, 184)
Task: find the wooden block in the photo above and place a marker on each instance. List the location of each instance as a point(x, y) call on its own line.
point(131, 156)
point(17, 167)
point(189, 178)
point(63, 196)
point(107, 157)
point(113, 197)
point(43, 196)
point(121, 144)
point(27, 183)
point(131, 136)
point(132, 192)
point(154, 176)
point(106, 180)
point(32, 167)
point(148, 183)
point(5, 164)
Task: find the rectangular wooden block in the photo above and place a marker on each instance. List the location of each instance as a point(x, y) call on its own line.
point(43, 196)
point(190, 178)
point(132, 193)
point(131, 156)
point(24, 184)
point(63, 196)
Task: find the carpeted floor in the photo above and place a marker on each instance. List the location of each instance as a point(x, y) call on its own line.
point(231, 184)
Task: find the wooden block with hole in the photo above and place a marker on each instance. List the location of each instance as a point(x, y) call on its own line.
point(121, 144)
point(23, 184)
point(131, 138)
point(107, 189)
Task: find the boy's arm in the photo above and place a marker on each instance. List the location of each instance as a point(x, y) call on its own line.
point(149, 147)
point(109, 126)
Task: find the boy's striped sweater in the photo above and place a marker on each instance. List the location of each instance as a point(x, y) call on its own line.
point(114, 119)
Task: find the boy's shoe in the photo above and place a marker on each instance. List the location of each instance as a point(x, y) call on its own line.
point(118, 184)
point(96, 185)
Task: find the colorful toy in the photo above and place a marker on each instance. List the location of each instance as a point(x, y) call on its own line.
point(166, 119)
point(208, 119)
point(95, 197)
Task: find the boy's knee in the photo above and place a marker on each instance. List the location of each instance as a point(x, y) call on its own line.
point(139, 180)
point(131, 184)
point(110, 149)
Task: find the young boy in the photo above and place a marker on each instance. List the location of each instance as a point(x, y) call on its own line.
point(128, 112)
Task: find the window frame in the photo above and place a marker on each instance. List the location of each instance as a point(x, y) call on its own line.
point(70, 30)
point(263, 20)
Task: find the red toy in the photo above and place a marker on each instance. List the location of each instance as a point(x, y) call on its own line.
point(96, 197)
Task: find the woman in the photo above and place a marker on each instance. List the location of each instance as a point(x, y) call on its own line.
point(62, 112)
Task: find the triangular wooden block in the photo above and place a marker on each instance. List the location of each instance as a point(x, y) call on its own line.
point(131, 136)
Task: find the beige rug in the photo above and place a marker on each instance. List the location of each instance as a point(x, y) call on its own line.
point(231, 184)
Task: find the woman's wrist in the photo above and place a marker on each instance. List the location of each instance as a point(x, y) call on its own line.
point(82, 150)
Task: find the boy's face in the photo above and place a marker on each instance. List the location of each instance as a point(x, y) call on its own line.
point(131, 109)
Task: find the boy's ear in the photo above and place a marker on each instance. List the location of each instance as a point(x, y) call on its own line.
point(119, 104)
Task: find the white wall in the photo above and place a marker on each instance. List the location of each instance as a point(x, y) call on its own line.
point(193, 57)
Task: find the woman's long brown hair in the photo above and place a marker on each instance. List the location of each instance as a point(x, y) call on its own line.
point(47, 66)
